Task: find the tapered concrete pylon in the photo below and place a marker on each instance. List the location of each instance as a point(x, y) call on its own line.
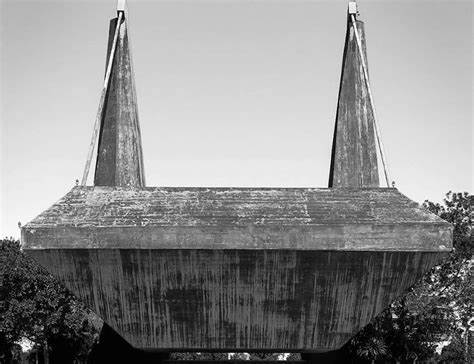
point(119, 154)
point(354, 153)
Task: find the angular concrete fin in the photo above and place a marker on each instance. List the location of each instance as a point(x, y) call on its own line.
point(354, 153)
point(119, 154)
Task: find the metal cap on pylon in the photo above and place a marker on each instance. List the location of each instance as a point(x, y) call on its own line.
point(352, 8)
point(121, 5)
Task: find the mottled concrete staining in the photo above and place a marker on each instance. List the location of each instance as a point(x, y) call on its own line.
point(237, 268)
point(238, 218)
point(354, 153)
point(119, 156)
point(236, 299)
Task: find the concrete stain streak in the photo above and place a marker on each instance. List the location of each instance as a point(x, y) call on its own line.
point(245, 299)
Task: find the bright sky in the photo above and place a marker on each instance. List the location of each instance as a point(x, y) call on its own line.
point(233, 93)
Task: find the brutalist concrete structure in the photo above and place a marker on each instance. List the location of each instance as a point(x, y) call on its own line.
point(234, 269)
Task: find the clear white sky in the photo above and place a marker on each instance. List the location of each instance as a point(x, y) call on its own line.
point(233, 93)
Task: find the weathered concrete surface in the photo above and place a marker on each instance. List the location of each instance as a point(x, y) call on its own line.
point(240, 218)
point(119, 156)
point(354, 153)
point(236, 299)
point(237, 268)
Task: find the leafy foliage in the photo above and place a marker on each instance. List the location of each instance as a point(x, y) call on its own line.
point(33, 305)
point(438, 309)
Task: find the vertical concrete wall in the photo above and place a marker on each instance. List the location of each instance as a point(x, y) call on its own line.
point(197, 299)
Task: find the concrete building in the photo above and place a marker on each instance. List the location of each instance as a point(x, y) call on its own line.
point(237, 269)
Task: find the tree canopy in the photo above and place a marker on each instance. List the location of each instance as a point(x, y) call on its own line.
point(435, 320)
point(34, 306)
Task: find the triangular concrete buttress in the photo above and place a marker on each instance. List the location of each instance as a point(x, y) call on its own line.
point(119, 154)
point(354, 153)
